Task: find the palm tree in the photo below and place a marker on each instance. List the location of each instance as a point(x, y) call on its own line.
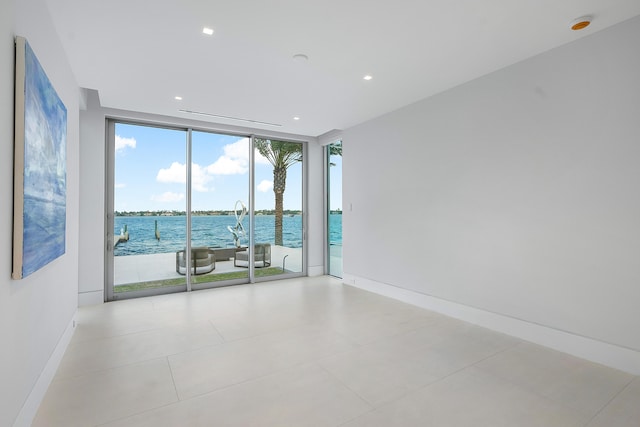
point(335, 150)
point(281, 155)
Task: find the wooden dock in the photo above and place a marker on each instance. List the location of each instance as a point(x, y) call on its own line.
point(120, 238)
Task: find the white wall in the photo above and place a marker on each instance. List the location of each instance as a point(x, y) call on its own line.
point(92, 190)
point(92, 203)
point(515, 194)
point(36, 313)
point(315, 211)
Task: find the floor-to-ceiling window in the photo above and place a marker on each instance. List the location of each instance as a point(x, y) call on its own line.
point(279, 215)
point(181, 206)
point(334, 208)
point(149, 203)
point(219, 204)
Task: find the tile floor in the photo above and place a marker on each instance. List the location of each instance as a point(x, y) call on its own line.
point(314, 352)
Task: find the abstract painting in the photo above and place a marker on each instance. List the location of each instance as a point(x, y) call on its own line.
point(39, 221)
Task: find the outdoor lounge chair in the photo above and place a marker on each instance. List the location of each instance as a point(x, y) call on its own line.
point(225, 254)
point(262, 254)
point(203, 260)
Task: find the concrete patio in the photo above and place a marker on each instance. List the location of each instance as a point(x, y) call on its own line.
point(145, 268)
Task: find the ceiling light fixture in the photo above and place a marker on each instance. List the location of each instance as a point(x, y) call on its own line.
point(296, 118)
point(178, 98)
point(300, 57)
point(580, 23)
point(367, 77)
point(230, 118)
point(208, 31)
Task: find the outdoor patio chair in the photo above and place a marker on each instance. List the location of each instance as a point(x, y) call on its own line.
point(203, 260)
point(262, 254)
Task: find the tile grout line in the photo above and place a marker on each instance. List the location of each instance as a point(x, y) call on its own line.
point(248, 380)
point(464, 368)
point(339, 381)
point(150, 409)
point(173, 380)
point(372, 407)
point(611, 400)
point(542, 396)
point(224, 340)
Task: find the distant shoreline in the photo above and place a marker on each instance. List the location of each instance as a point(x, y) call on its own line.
point(209, 213)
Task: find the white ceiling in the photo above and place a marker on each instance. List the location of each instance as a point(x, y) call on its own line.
point(140, 54)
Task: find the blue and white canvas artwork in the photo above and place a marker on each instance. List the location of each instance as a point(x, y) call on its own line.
point(44, 169)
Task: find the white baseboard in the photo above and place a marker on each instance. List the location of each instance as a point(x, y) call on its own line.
point(90, 298)
point(316, 270)
point(614, 356)
point(31, 405)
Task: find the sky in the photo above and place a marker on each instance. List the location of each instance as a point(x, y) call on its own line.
point(335, 183)
point(150, 172)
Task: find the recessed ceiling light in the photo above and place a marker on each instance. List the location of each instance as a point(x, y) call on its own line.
point(178, 98)
point(300, 57)
point(296, 118)
point(367, 77)
point(208, 31)
point(581, 23)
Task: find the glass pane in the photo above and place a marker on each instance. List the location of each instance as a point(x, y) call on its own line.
point(278, 210)
point(150, 200)
point(335, 209)
point(219, 200)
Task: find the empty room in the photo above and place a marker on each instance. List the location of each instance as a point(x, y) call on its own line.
point(320, 213)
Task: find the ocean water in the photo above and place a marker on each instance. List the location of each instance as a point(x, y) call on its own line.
point(335, 229)
point(206, 231)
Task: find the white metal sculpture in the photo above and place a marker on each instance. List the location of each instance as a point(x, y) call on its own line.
point(238, 230)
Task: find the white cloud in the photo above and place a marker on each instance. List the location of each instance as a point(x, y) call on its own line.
point(177, 174)
point(265, 185)
point(199, 178)
point(228, 166)
point(235, 160)
point(120, 185)
point(168, 197)
point(122, 143)
point(238, 150)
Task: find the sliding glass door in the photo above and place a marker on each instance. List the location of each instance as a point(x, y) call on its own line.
point(219, 206)
point(149, 196)
point(279, 215)
point(182, 214)
point(334, 209)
